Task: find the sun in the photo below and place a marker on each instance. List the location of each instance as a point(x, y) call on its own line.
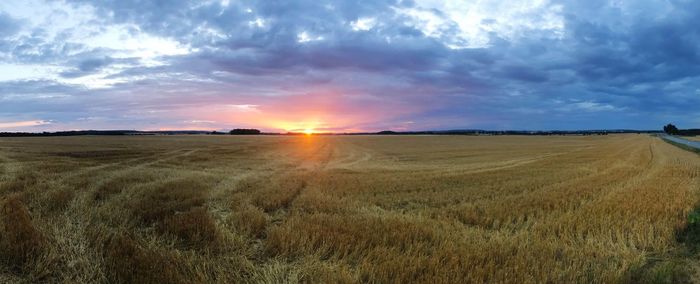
point(308, 131)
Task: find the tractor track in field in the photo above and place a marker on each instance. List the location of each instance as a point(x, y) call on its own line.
point(166, 157)
point(132, 164)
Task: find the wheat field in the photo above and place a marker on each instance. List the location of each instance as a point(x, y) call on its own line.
point(346, 209)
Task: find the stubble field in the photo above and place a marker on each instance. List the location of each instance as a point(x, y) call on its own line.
point(346, 209)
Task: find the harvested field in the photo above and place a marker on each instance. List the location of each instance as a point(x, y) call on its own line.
point(382, 209)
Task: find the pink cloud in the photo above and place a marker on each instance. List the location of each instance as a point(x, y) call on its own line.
point(25, 123)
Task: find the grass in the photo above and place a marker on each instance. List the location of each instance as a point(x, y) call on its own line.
point(21, 243)
point(348, 209)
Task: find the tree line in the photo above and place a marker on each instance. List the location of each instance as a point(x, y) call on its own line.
point(673, 130)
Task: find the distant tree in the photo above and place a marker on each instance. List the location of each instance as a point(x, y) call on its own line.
point(387, 132)
point(671, 129)
point(241, 131)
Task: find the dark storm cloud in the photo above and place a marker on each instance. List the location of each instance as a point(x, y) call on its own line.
point(617, 65)
point(634, 63)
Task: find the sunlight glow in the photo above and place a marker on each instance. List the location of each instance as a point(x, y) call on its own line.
point(14, 124)
point(308, 131)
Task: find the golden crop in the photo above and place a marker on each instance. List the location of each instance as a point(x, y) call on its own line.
point(329, 209)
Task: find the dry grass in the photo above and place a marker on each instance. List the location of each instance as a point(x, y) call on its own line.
point(20, 242)
point(127, 262)
point(347, 209)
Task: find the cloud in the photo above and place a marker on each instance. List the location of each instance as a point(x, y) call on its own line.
point(588, 106)
point(370, 65)
point(8, 25)
point(23, 124)
point(524, 73)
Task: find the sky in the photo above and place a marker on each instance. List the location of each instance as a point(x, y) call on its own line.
point(347, 66)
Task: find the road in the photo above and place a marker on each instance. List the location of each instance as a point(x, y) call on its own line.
point(692, 144)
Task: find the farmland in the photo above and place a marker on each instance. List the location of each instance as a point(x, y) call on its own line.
point(386, 209)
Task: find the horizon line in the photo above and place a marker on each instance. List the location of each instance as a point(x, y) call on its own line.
point(340, 132)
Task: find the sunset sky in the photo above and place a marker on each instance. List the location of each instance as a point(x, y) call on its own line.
point(346, 66)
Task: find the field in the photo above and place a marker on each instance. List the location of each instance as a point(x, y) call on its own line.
point(346, 209)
